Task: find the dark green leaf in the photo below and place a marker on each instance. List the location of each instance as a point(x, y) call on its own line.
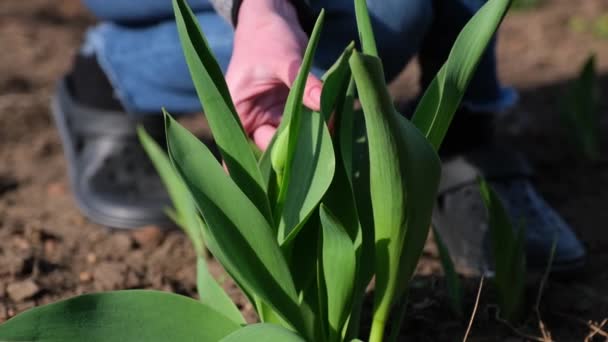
point(223, 120)
point(442, 98)
point(451, 277)
point(509, 255)
point(237, 233)
point(580, 112)
point(263, 333)
point(339, 266)
point(312, 172)
point(364, 25)
point(186, 214)
point(213, 295)
point(404, 177)
point(291, 122)
point(134, 315)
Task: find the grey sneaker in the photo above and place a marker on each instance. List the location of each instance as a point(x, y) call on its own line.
point(461, 219)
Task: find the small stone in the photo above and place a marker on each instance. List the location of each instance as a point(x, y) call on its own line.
point(109, 276)
point(21, 243)
point(22, 290)
point(49, 246)
point(91, 258)
point(56, 189)
point(85, 277)
point(147, 236)
point(120, 242)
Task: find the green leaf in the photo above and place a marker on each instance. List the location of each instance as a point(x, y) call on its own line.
point(133, 315)
point(509, 255)
point(335, 84)
point(213, 295)
point(404, 177)
point(339, 266)
point(236, 232)
point(442, 98)
point(313, 167)
point(580, 112)
point(180, 196)
point(364, 25)
point(291, 121)
point(263, 333)
point(451, 277)
point(223, 120)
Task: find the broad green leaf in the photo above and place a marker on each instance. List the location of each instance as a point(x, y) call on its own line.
point(185, 210)
point(223, 120)
point(580, 111)
point(451, 277)
point(355, 156)
point(335, 84)
point(442, 98)
point(312, 171)
point(403, 165)
point(237, 233)
point(133, 315)
point(508, 253)
point(339, 268)
point(213, 295)
point(364, 26)
point(263, 333)
point(291, 122)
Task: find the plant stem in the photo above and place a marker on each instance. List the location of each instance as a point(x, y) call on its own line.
point(377, 332)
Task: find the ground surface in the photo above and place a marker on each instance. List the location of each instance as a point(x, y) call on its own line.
point(48, 251)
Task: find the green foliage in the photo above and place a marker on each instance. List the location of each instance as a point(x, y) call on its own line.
point(442, 98)
point(303, 227)
point(509, 255)
point(185, 214)
point(455, 292)
point(580, 114)
point(132, 316)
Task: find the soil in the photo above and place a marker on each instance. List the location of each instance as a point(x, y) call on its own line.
point(48, 251)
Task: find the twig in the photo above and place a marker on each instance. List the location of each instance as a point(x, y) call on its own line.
point(541, 325)
point(466, 334)
point(596, 329)
point(522, 334)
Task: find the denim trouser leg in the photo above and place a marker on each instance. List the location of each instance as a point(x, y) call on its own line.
point(146, 66)
point(135, 12)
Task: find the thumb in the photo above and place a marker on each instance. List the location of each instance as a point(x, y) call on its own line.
point(312, 90)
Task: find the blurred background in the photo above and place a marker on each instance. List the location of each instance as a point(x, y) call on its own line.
point(48, 251)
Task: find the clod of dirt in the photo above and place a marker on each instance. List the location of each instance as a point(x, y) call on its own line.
point(57, 189)
point(147, 236)
point(109, 276)
point(7, 184)
point(119, 243)
point(22, 290)
point(11, 264)
point(85, 277)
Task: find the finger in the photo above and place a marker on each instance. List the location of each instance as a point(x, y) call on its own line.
point(312, 93)
point(263, 135)
point(312, 90)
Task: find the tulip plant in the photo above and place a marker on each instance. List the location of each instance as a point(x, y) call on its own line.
point(301, 228)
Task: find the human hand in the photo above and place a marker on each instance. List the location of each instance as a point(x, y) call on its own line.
point(267, 54)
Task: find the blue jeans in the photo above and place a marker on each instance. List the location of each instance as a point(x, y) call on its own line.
point(138, 47)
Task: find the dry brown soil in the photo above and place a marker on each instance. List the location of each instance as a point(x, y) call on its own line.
point(48, 251)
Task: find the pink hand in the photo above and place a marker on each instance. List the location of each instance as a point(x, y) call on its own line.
point(267, 54)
